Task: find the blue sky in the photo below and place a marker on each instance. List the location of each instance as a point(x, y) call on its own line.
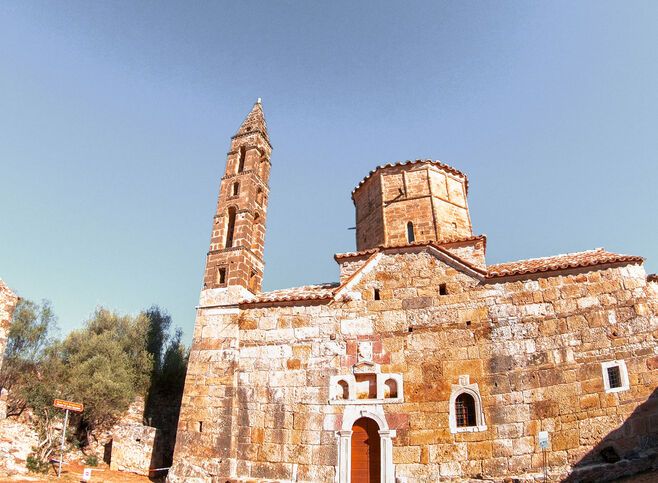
point(115, 119)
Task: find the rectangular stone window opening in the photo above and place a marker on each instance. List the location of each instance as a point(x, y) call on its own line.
point(443, 289)
point(221, 276)
point(241, 158)
point(614, 376)
point(376, 295)
point(200, 427)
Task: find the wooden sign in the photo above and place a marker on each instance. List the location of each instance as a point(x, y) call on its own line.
point(70, 405)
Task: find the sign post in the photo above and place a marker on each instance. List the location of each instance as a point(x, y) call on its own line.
point(67, 406)
point(543, 444)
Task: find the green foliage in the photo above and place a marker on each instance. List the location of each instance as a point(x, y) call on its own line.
point(157, 334)
point(35, 464)
point(28, 345)
point(171, 378)
point(29, 330)
point(91, 460)
point(106, 365)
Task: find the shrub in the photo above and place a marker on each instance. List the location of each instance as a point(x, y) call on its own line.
point(36, 465)
point(91, 460)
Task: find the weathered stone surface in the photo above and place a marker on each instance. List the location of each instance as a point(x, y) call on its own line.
point(256, 405)
point(8, 301)
point(134, 446)
point(16, 442)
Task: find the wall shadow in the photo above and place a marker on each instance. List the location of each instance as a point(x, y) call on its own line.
point(162, 413)
point(630, 449)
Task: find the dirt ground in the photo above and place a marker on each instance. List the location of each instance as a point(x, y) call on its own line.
point(101, 474)
point(72, 472)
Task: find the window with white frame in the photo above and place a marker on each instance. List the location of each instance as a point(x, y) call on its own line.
point(466, 413)
point(615, 376)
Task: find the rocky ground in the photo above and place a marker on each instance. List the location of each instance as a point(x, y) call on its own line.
point(73, 472)
point(16, 442)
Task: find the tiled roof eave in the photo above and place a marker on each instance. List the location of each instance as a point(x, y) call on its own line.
point(550, 266)
point(285, 300)
point(447, 242)
point(436, 163)
point(566, 266)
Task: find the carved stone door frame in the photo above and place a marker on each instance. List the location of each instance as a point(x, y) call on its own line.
point(344, 436)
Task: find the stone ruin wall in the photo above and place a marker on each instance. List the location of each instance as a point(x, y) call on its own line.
point(8, 301)
point(255, 403)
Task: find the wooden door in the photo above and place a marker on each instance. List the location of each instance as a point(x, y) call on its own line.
point(365, 451)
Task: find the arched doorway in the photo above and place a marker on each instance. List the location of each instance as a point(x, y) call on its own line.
point(366, 462)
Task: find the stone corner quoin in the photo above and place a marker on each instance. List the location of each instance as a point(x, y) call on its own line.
point(422, 362)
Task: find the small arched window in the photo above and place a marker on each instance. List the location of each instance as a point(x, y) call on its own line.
point(465, 414)
point(241, 157)
point(236, 189)
point(411, 236)
point(253, 281)
point(230, 227)
point(260, 197)
point(343, 390)
point(391, 388)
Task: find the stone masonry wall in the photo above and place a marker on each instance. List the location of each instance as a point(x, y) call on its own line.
point(433, 199)
point(8, 301)
point(257, 389)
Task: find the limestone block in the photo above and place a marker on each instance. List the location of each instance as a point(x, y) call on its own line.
point(132, 449)
point(406, 454)
point(358, 326)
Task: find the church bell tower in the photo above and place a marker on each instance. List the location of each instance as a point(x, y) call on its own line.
point(238, 232)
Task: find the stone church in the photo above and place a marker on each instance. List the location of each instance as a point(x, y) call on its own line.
point(423, 362)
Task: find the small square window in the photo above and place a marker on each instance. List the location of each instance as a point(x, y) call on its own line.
point(443, 289)
point(615, 376)
point(376, 295)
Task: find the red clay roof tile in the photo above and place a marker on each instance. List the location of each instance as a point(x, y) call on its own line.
point(446, 241)
point(306, 292)
point(439, 164)
point(559, 262)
